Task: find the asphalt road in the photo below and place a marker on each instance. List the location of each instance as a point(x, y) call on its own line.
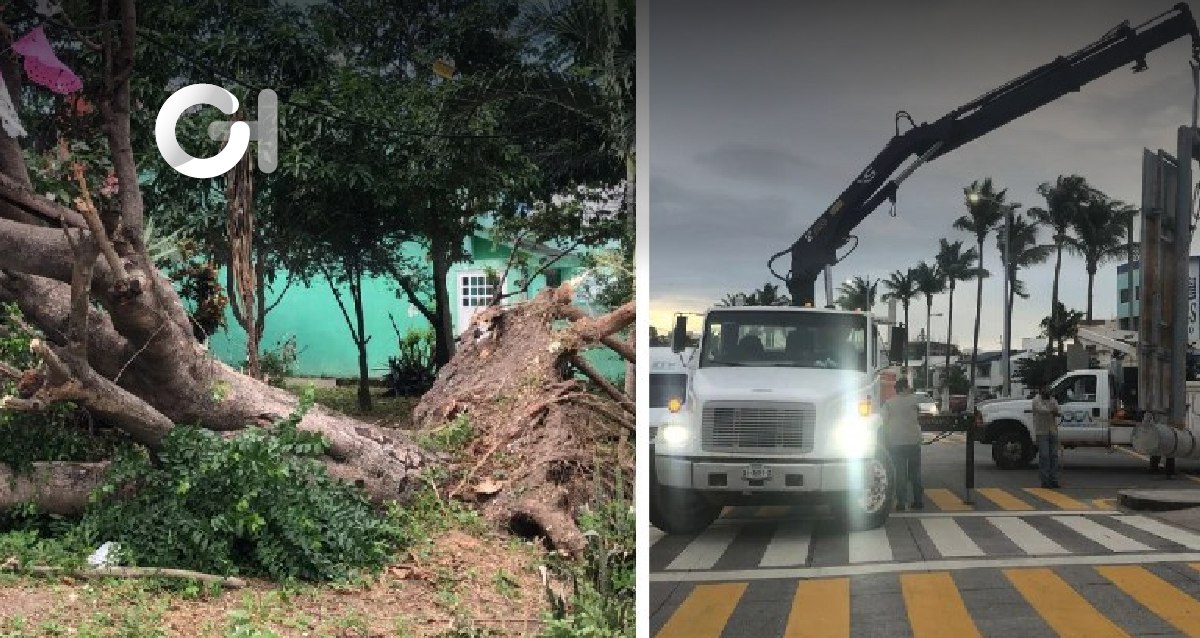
point(1016, 561)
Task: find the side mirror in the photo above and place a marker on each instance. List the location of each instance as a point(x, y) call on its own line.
point(679, 335)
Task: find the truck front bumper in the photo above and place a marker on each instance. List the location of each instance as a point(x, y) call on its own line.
point(784, 476)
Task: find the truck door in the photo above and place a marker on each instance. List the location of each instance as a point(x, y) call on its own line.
point(1084, 415)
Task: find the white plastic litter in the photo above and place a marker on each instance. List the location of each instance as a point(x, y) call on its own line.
point(104, 556)
point(8, 115)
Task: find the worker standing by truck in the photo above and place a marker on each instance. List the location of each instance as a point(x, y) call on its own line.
point(902, 429)
point(1045, 426)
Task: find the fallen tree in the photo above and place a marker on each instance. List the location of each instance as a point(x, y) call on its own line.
point(544, 445)
point(118, 340)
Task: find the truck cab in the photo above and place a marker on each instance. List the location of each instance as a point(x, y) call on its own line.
point(1088, 399)
point(782, 405)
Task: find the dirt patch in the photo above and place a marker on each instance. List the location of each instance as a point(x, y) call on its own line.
point(457, 581)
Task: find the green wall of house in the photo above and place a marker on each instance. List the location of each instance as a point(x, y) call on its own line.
point(311, 314)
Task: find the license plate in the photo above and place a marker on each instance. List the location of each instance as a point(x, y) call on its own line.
point(756, 472)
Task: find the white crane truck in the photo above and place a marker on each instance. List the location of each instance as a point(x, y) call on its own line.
point(782, 404)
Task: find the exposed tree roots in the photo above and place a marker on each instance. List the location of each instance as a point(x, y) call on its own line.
point(544, 444)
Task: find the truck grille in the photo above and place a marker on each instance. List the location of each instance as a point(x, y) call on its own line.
point(731, 426)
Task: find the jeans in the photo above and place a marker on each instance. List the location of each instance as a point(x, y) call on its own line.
point(1048, 459)
point(907, 461)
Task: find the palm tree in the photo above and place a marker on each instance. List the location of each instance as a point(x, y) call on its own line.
point(902, 288)
point(985, 208)
point(1063, 201)
point(1099, 235)
point(929, 282)
point(955, 265)
point(857, 294)
point(1060, 326)
point(768, 295)
point(1023, 252)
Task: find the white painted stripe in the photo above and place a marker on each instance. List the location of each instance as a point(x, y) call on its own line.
point(950, 539)
point(869, 545)
point(704, 550)
point(1025, 536)
point(1160, 529)
point(928, 565)
point(788, 547)
point(1021, 513)
point(656, 535)
point(1096, 532)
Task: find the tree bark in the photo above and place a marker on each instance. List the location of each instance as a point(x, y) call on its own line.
point(1054, 290)
point(978, 313)
point(444, 327)
point(949, 333)
point(140, 366)
point(364, 373)
point(1091, 272)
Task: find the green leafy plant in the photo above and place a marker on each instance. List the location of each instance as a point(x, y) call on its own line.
point(279, 362)
point(257, 503)
point(413, 370)
point(62, 432)
point(602, 602)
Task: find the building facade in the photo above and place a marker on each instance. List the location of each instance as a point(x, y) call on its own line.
point(1129, 294)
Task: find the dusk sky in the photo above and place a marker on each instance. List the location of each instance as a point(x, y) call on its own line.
point(762, 112)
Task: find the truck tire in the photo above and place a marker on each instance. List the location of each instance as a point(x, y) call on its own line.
point(679, 511)
point(1012, 449)
point(869, 508)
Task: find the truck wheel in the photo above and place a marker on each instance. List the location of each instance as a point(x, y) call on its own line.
point(1012, 450)
point(869, 508)
point(679, 511)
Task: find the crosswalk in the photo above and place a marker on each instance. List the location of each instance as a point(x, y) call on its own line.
point(804, 547)
point(771, 542)
point(1100, 601)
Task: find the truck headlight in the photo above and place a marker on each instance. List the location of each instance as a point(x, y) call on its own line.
point(674, 405)
point(673, 434)
point(855, 437)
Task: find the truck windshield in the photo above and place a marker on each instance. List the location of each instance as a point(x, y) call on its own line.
point(785, 339)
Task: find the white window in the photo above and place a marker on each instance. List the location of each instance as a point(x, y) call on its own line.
point(475, 290)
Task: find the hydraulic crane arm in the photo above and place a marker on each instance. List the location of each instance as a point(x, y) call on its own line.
point(1122, 45)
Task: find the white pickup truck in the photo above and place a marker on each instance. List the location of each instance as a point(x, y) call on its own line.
point(782, 404)
point(1088, 400)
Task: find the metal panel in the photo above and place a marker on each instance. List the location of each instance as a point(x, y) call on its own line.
point(755, 426)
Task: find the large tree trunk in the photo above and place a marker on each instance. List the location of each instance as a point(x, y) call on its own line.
point(118, 340)
point(1091, 272)
point(1054, 290)
point(949, 334)
point(978, 313)
point(443, 329)
point(537, 454)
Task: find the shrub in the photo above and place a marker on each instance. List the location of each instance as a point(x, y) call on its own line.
point(412, 371)
point(279, 363)
point(602, 602)
point(257, 503)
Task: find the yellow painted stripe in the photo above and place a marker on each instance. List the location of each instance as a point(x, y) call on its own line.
point(935, 608)
point(773, 511)
point(946, 500)
point(704, 612)
point(1061, 500)
point(1004, 499)
point(1196, 566)
point(1157, 595)
point(1061, 606)
point(820, 609)
point(1105, 503)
